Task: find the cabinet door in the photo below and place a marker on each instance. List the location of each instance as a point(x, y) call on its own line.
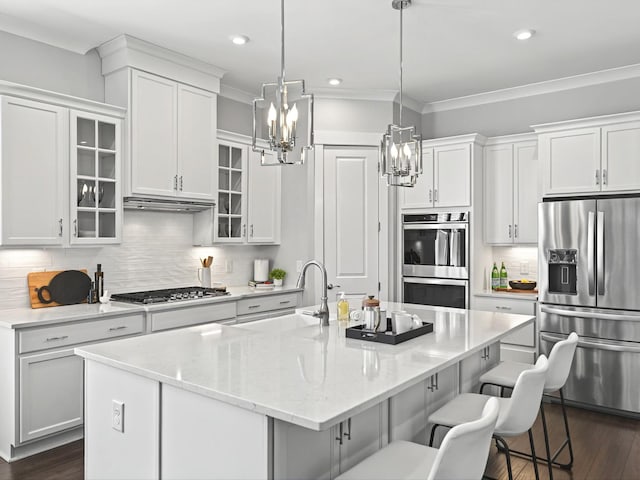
point(526, 196)
point(570, 161)
point(95, 199)
point(363, 436)
point(471, 368)
point(408, 415)
point(264, 201)
point(230, 213)
point(196, 143)
point(421, 194)
point(153, 139)
point(440, 389)
point(452, 170)
point(302, 453)
point(498, 185)
point(33, 155)
point(621, 157)
point(51, 393)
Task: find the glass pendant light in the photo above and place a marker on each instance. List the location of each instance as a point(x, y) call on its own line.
point(401, 148)
point(283, 117)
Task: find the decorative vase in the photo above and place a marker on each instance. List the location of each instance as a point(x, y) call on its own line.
point(277, 282)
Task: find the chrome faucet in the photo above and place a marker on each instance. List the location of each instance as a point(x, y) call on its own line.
point(323, 312)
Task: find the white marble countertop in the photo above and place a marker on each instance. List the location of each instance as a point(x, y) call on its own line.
point(291, 369)
point(532, 297)
point(28, 317)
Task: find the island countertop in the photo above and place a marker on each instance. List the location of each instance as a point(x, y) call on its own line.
point(291, 369)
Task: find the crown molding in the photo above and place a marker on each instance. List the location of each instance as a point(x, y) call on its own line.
point(517, 137)
point(127, 51)
point(539, 88)
point(589, 122)
point(457, 139)
point(233, 93)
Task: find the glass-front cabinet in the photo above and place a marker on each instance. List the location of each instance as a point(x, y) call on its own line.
point(232, 184)
point(96, 201)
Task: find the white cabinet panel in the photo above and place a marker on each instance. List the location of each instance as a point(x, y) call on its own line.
point(188, 316)
point(302, 453)
point(526, 194)
point(363, 436)
point(621, 157)
point(196, 142)
point(408, 415)
point(421, 194)
point(266, 303)
point(471, 368)
point(498, 184)
point(33, 155)
point(264, 206)
point(452, 171)
point(50, 393)
point(153, 116)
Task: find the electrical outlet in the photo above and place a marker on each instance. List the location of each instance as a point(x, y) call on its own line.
point(524, 268)
point(298, 266)
point(117, 416)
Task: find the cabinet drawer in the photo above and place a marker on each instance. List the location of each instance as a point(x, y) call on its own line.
point(185, 317)
point(30, 340)
point(524, 336)
point(266, 303)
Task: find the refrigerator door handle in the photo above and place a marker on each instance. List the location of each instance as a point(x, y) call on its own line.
point(600, 253)
point(581, 314)
point(609, 345)
point(591, 253)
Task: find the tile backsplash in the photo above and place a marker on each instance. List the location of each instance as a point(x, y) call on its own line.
point(156, 252)
point(515, 258)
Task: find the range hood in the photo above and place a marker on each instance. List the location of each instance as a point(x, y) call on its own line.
point(159, 205)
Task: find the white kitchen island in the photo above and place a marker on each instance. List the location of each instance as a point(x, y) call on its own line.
point(278, 398)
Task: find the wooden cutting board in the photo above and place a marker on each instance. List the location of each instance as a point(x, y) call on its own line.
point(36, 280)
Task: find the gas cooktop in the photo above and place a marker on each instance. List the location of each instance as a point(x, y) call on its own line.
point(168, 295)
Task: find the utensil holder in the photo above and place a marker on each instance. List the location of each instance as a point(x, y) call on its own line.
point(204, 276)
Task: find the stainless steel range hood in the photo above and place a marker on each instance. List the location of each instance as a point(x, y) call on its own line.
point(158, 205)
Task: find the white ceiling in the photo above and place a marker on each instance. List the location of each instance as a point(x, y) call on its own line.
point(453, 48)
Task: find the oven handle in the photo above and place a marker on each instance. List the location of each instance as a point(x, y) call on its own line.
point(596, 315)
point(597, 345)
point(435, 281)
point(434, 226)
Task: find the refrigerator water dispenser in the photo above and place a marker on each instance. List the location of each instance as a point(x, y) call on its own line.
point(562, 271)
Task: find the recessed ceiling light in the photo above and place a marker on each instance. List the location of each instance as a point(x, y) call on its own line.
point(524, 34)
point(239, 39)
point(335, 81)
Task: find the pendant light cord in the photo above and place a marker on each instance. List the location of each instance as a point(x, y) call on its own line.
point(282, 40)
point(400, 116)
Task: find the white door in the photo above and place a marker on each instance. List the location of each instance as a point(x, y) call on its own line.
point(264, 206)
point(421, 194)
point(452, 173)
point(51, 393)
point(196, 143)
point(33, 154)
point(498, 197)
point(621, 157)
point(526, 195)
point(351, 183)
point(153, 139)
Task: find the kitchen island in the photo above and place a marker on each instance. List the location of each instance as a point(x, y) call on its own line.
point(278, 398)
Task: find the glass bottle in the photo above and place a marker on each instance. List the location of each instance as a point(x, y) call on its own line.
point(343, 308)
point(495, 277)
point(504, 283)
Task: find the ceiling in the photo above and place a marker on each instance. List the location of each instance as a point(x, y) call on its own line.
point(453, 48)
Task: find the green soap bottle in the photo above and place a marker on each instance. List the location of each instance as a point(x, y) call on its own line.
point(495, 277)
point(503, 277)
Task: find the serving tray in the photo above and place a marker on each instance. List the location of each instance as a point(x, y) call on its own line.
point(360, 333)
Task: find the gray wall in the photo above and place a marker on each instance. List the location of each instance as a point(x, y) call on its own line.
point(409, 117)
point(516, 116)
point(352, 115)
point(234, 116)
point(40, 65)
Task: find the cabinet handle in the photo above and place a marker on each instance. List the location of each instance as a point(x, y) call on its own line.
point(53, 339)
point(498, 307)
point(348, 433)
point(341, 434)
point(60, 227)
point(509, 230)
point(597, 177)
point(515, 231)
point(285, 302)
point(435, 385)
point(121, 327)
point(253, 306)
point(430, 200)
point(604, 176)
point(244, 229)
point(435, 194)
point(175, 182)
point(75, 227)
point(251, 231)
point(181, 183)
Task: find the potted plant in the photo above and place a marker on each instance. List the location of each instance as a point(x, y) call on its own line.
point(278, 276)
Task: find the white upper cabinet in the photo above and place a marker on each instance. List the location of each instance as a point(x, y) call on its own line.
point(510, 190)
point(34, 154)
point(446, 179)
point(264, 206)
point(594, 155)
point(172, 138)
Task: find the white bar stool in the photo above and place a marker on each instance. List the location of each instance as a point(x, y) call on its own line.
point(504, 375)
point(517, 413)
point(463, 454)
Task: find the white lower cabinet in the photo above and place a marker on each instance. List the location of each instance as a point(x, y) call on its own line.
point(189, 316)
point(50, 394)
point(471, 368)
point(302, 453)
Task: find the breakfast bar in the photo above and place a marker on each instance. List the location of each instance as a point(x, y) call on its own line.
point(277, 398)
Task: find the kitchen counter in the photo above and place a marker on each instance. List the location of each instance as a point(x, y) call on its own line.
point(522, 296)
point(28, 317)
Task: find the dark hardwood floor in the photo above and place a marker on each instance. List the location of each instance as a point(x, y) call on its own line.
point(606, 447)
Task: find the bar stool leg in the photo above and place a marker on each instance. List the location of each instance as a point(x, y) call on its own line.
point(546, 442)
point(566, 466)
point(505, 449)
point(533, 455)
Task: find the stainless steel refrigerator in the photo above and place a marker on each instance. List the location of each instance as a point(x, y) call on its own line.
point(589, 272)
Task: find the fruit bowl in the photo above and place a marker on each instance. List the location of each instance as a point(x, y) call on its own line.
point(530, 285)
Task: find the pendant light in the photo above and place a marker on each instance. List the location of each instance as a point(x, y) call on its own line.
point(283, 117)
point(401, 148)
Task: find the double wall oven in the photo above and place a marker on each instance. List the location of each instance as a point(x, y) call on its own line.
point(435, 267)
